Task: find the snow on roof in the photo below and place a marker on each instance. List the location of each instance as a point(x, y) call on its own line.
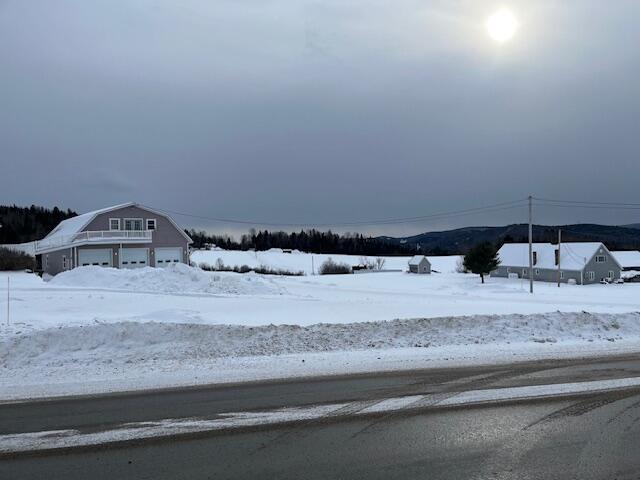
point(627, 259)
point(573, 255)
point(66, 229)
point(73, 225)
point(416, 259)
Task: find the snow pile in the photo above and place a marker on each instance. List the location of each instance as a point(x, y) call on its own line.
point(134, 354)
point(134, 342)
point(176, 279)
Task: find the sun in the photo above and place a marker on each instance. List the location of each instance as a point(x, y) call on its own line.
point(502, 25)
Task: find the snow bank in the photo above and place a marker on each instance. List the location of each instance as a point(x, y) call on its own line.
point(134, 341)
point(136, 354)
point(178, 278)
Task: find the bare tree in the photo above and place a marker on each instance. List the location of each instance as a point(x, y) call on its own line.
point(367, 263)
point(460, 268)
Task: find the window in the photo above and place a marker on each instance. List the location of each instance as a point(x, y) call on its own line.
point(591, 275)
point(133, 224)
point(64, 262)
point(561, 275)
point(524, 271)
point(46, 261)
point(611, 274)
point(151, 223)
point(114, 224)
point(537, 272)
point(535, 258)
point(601, 258)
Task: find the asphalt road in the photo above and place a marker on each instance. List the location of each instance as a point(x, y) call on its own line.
point(593, 436)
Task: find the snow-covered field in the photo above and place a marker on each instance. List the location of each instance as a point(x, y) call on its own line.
point(297, 261)
point(94, 329)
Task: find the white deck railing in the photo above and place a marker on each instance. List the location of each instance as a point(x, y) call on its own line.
point(99, 236)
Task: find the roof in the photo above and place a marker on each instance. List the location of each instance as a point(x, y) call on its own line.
point(66, 228)
point(573, 255)
point(627, 259)
point(73, 225)
point(417, 259)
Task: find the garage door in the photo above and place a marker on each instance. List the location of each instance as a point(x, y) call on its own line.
point(94, 256)
point(167, 256)
point(134, 257)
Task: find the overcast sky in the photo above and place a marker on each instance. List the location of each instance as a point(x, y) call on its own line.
point(299, 111)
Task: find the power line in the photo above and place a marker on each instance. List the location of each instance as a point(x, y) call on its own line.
point(587, 202)
point(388, 221)
point(593, 207)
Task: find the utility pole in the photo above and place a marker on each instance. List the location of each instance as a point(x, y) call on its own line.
point(8, 297)
point(559, 256)
point(530, 244)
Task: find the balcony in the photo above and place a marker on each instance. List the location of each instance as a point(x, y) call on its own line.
point(99, 236)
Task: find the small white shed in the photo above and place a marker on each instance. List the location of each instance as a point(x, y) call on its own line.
point(419, 264)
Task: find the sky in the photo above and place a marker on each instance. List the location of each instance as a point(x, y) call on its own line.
point(318, 112)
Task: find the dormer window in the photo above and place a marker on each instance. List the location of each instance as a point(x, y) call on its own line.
point(114, 224)
point(151, 223)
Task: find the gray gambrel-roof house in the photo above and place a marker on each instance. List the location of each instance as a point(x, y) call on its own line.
point(122, 236)
point(582, 262)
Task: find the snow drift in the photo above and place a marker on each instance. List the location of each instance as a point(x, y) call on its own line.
point(178, 278)
point(135, 342)
point(133, 354)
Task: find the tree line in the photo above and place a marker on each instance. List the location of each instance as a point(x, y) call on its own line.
point(25, 224)
point(305, 240)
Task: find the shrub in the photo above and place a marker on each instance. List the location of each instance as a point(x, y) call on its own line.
point(277, 271)
point(329, 267)
point(372, 264)
point(367, 263)
point(460, 266)
point(221, 267)
point(16, 260)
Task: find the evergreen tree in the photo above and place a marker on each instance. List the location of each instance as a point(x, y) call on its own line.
point(305, 240)
point(482, 259)
point(25, 224)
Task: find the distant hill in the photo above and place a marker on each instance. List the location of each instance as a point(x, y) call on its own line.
point(632, 225)
point(25, 224)
point(459, 241)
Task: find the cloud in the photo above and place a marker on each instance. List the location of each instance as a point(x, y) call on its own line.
point(317, 111)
